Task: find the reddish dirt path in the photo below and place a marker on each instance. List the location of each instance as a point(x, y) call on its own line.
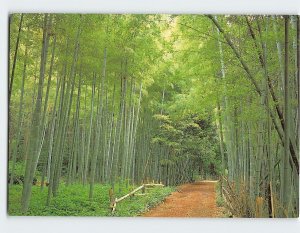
point(191, 200)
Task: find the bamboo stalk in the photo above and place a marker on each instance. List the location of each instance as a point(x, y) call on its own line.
point(129, 194)
point(142, 187)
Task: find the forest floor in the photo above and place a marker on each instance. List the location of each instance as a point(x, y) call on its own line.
point(190, 200)
point(73, 200)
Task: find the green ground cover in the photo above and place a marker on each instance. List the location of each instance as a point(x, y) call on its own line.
point(73, 200)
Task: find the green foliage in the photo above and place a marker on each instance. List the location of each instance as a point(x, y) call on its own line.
point(190, 136)
point(19, 168)
point(73, 201)
point(219, 200)
point(139, 204)
point(206, 93)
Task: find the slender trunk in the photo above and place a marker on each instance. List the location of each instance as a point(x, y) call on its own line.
point(86, 168)
point(285, 159)
point(293, 150)
point(35, 130)
point(11, 80)
point(20, 120)
point(98, 131)
point(57, 119)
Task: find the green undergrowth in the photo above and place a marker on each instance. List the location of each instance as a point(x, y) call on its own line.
point(219, 200)
point(73, 200)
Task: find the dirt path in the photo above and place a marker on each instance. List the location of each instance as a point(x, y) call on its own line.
point(191, 200)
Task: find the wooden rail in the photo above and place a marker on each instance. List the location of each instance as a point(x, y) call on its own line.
point(114, 201)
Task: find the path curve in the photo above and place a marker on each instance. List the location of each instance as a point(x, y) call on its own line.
point(191, 200)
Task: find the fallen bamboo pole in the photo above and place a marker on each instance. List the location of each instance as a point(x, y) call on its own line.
point(142, 187)
point(129, 194)
point(153, 185)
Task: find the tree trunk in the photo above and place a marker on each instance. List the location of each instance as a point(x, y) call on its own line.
point(11, 80)
point(285, 159)
point(35, 127)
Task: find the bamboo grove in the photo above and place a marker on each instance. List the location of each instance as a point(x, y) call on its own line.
point(103, 99)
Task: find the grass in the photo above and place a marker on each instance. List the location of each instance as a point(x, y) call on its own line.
point(73, 200)
point(219, 199)
point(221, 202)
